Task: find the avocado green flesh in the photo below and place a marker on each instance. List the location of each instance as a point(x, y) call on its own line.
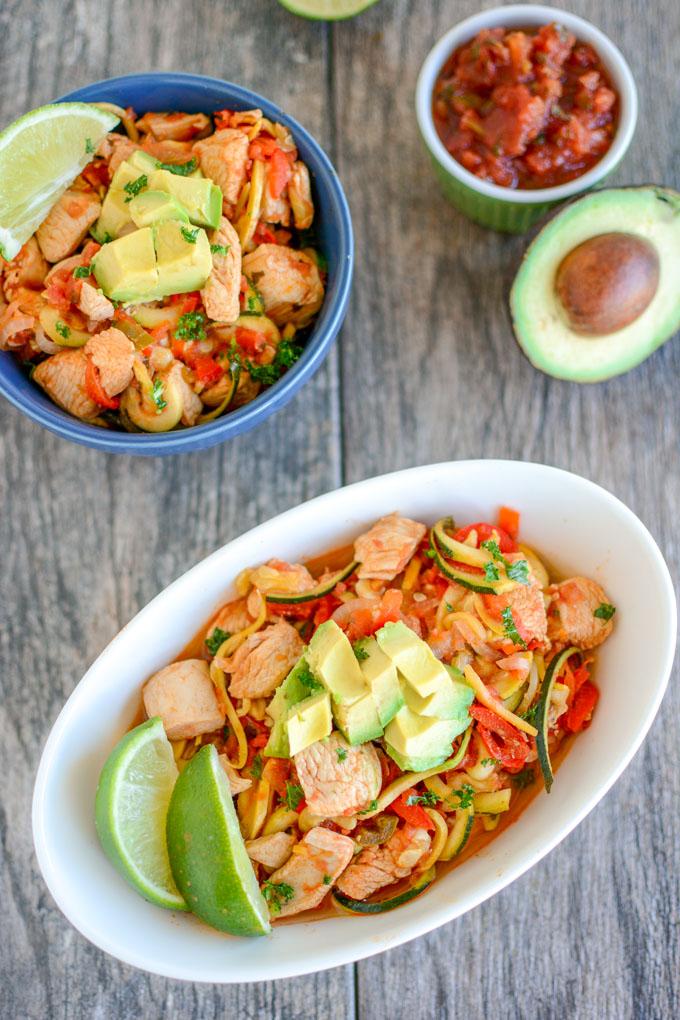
point(539, 320)
point(207, 853)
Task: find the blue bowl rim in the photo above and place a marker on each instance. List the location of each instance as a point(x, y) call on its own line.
point(274, 398)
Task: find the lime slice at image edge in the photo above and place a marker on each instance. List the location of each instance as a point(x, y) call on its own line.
point(207, 853)
point(327, 10)
point(131, 807)
point(40, 155)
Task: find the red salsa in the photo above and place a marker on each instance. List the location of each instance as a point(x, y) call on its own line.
point(525, 109)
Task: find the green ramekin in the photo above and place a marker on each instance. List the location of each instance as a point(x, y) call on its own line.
point(508, 210)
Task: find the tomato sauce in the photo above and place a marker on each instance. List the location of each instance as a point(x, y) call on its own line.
point(525, 108)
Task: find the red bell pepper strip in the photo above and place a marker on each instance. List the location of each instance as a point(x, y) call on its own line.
point(508, 520)
point(579, 715)
point(412, 814)
point(503, 740)
point(484, 533)
point(96, 391)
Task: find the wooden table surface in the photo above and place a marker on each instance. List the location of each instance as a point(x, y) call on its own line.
point(425, 369)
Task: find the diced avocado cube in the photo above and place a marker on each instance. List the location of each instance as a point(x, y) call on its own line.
point(291, 691)
point(200, 197)
point(183, 257)
point(418, 738)
point(141, 161)
point(414, 659)
point(413, 763)
point(451, 700)
point(332, 659)
point(155, 206)
point(308, 721)
point(380, 674)
point(126, 269)
point(115, 214)
point(358, 722)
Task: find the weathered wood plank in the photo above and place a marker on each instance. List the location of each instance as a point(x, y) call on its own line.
point(89, 539)
point(432, 373)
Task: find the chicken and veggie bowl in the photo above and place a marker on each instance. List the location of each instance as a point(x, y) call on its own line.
point(175, 278)
point(374, 714)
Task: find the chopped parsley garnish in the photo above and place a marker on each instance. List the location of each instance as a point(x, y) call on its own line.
point(226, 730)
point(605, 611)
point(62, 329)
point(256, 767)
point(190, 235)
point(80, 272)
point(216, 639)
point(490, 761)
point(465, 796)
point(524, 778)
point(254, 300)
point(430, 553)
point(307, 678)
point(491, 572)
point(511, 632)
point(157, 394)
point(133, 188)
point(341, 753)
point(294, 796)
point(190, 326)
point(107, 238)
point(181, 169)
point(359, 649)
point(518, 571)
point(327, 879)
point(276, 894)
point(371, 807)
point(89, 146)
point(286, 355)
point(220, 249)
point(448, 607)
point(429, 798)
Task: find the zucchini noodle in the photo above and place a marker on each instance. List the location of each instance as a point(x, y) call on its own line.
point(233, 643)
point(441, 834)
point(456, 838)
point(488, 620)
point(471, 621)
point(530, 692)
point(490, 822)
point(219, 681)
point(125, 119)
point(536, 566)
point(411, 574)
point(248, 221)
point(486, 699)
point(244, 708)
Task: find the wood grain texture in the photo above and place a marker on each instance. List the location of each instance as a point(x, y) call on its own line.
point(426, 370)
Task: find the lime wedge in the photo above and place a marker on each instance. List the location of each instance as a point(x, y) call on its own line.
point(40, 155)
point(131, 808)
point(327, 10)
point(207, 852)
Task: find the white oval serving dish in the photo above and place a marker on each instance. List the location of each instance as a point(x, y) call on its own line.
point(580, 527)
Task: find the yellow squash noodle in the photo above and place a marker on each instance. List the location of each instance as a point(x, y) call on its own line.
point(219, 681)
point(441, 834)
point(483, 695)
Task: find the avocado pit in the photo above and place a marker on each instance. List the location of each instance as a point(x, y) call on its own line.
point(607, 282)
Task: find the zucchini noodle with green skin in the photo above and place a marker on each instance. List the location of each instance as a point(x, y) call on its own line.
point(459, 633)
point(176, 279)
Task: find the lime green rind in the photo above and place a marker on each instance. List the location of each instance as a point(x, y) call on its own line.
point(41, 153)
point(327, 10)
point(130, 807)
point(593, 359)
point(207, 852)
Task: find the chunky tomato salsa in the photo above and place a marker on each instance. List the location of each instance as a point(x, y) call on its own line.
point(525, 109)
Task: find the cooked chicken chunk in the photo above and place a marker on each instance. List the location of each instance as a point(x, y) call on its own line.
point(93, 304)
point(300, 196)
point(274, 210)
point(67, 223)
point(221, 294)
point(386, 548)
point(378, 866)
point(237, 784)
point(338, 779)
point(177, 127)
point(231, 618)
point(113, 354)
point(115, 149)
point(527, 604)
point(273, 851)
point(223, 158)
point(572, 619)
point(17, 325)
point(63, 378)
point(27, 269)
point(183, 696)
point(286, 279)
point(263, 661)
point(312, 868)
point(192, 405)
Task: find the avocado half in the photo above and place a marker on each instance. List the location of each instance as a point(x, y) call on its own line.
point(649, 215)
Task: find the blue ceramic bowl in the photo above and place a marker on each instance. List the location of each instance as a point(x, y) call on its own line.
point(196, 93)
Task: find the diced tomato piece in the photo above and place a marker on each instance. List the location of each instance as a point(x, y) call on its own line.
point(264, 235)
point(279, 173)
point(579, 715)
point(96, 391)
point(263, 147)
point(413, 814)
point(259, 741)
point(485, 532)
point(208, 371)
point(503, 740)
point(96, 173)
point(222, 119)
point(366, 621)
point(250, 340)
point(187, 302)
point(278, 771)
